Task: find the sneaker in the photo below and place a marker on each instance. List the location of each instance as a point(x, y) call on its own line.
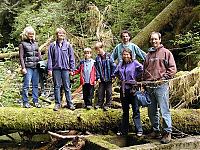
point(37, 105)
point(121, 133)
point(88, 107)
point(72, 108)
point(43, 94)
point(96, 107)
point(139, 134)
point(166, 138)
point(56, 107)
point(27, 105)
point(154, 135)
point(105, 108)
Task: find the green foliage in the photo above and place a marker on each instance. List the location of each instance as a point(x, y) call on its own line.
point(10, 83)
point(133, 15)
point(190, 40)
point(10, 48)
point(7, 14)
point(46, 16)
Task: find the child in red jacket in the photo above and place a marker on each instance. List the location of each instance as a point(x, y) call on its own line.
point(87, 72)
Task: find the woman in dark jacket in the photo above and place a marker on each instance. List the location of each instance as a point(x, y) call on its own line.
point(29, 55)
point(127, 71)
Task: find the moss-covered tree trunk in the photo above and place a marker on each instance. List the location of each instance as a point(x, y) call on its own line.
point(159, 21)
point(97, 121)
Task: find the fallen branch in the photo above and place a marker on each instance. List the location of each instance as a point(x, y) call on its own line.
point(56, 135)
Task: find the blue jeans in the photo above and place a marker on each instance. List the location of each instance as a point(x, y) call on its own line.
point(160, 99)
point(61, 78)
point(126, 101)
point(31, 75)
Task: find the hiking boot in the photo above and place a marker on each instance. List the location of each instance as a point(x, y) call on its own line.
point(56, 107)
point(154, 135)
point(27, 105)
point(166, 138)
point(37, 105)
point(72, 108)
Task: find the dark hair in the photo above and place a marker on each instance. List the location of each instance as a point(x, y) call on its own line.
point(128, 51)
point(126, 31)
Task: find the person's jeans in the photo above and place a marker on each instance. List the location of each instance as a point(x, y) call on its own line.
point(105, 88)
point(61, 77)
point(160, 99)
point(126, 101)
point(32, 75)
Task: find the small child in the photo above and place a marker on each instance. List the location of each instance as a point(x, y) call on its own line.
point(105, 67)
point(87, 72)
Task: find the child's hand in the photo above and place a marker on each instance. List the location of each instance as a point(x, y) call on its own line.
point(50, 73)
point(71, 73)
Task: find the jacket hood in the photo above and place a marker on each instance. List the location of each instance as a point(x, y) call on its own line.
point(153, 49)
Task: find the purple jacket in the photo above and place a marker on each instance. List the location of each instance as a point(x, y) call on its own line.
point(61, 57)
point(129, 71)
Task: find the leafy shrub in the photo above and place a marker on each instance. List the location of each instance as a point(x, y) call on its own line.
point(191, 43)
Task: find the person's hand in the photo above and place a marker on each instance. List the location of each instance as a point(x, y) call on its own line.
point(50, 73)
point(142, 89)
point(71, 73)
point(24, 71)
point(98, 81)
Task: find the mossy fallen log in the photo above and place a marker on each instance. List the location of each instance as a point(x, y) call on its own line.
point(95, 121)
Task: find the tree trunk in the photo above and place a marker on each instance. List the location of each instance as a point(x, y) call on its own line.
point(94, 121)
point(43, 48)
point(159, 21)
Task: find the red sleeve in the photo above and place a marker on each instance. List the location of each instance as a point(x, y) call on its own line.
point(78, 70)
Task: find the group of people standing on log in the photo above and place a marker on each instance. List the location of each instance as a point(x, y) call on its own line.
point(155, 67)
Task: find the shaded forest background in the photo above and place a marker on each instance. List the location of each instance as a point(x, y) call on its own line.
point(88, 21)
point(81, 20)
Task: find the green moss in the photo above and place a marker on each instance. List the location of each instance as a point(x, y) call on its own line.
point(100, 140)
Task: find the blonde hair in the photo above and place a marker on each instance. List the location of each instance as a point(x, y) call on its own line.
point(87, 49)
point(98, 45)
point(60, 30)
point(24, 34)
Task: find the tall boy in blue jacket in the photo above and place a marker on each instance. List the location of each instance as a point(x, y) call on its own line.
point(105, 67)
